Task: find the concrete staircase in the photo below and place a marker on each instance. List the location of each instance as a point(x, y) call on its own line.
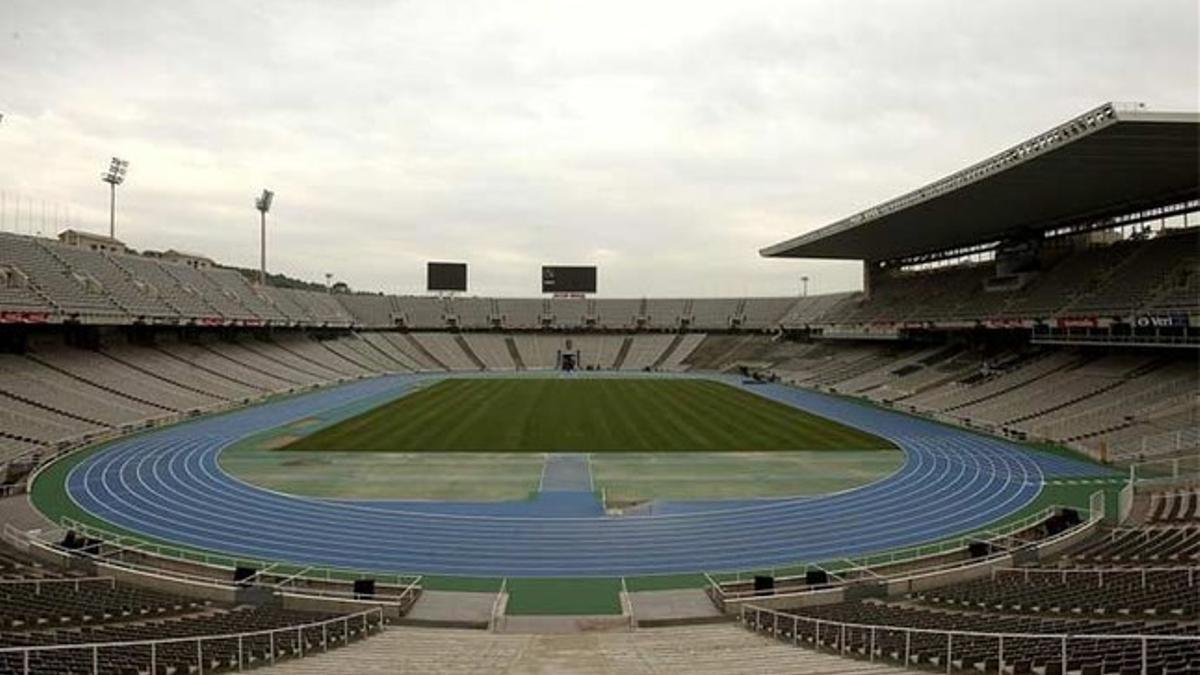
point(695, 650)
point(622, 353)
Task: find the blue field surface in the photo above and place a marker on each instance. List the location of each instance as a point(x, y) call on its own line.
point(168, 484)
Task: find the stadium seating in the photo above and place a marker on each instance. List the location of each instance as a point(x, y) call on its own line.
point(620, 314)
point(492, 350)
point(889, 642)
point(1155, 545)
point(471, 313)
point(445, 350)
point(66, 291)
point(39, 606)
point(645, 350)
point(1159, 593)
point(1088, 277)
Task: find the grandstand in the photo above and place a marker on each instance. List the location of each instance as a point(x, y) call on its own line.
point(1018, 298)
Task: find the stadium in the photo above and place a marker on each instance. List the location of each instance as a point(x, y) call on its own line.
point(985, 460)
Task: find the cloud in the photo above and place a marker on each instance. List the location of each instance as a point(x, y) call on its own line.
point(666, 141)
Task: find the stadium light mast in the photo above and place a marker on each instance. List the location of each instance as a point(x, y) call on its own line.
point(804, 286)
point(114, 177)
point(263, 204)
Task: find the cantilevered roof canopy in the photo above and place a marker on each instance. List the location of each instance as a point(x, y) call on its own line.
point(1114, 160)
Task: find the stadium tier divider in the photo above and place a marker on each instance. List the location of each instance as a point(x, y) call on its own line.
point(208, 652)
point(931, 563)
point(203, 574)
point(947, 648)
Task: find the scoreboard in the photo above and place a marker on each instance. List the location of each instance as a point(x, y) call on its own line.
point(568, 279)
point(446, 276)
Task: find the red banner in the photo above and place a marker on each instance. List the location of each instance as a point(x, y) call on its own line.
point(24, 317)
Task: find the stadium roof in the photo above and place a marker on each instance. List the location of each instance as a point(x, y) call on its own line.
point(1114, 160)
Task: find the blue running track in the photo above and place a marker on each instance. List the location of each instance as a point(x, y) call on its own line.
point(168, 484)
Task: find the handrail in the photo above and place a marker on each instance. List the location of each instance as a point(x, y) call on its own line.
point(1094, 570)
point(1179, 388)
point(213, 582)
point(1098, 572)
point(839, 629)
point(975, 633)
point(1185, 468)
point(198, 639)
point(496, 604)
point(721, 595)
point(37, 583)
point(928, 550)
point(168, 551)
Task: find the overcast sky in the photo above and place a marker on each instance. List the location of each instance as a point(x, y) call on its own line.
point(665, 142)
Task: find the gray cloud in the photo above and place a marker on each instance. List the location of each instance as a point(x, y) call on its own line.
point(666, 142)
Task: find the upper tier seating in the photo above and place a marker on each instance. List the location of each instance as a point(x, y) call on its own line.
point(67, 291)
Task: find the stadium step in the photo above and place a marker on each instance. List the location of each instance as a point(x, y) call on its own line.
point(420, 348)
point(623, 353)
point(515, 353)
point(462, 344)
point(702, 650)
point(662, 358)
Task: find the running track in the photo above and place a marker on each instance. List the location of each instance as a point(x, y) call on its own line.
point(167, 484)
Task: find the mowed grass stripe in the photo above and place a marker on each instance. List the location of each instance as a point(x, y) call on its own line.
point(586, 415)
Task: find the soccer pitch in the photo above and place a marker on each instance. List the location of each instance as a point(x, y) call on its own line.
point(585, 415)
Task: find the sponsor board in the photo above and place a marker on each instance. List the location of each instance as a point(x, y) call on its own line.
point(1169, 320)
point(1078, 322)
point(24, 317)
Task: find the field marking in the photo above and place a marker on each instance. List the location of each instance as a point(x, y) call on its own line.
point(169, 485)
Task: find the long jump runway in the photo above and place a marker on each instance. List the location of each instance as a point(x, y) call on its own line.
point(168, 484)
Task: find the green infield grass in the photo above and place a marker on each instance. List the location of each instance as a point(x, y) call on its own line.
point(584, 415)
point(632, 477)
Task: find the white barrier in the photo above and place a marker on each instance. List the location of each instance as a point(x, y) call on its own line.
point(839, 636)
point(94, 649)
point(722, 596)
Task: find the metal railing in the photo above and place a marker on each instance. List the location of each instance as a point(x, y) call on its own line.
point(1102, 416)
point(1166, 471)
point(275, 637)
point(1164, 443)
point(1125, 500)
point(1026, 573)
point(897, 643)
point(135, 545)
point(73, 582)
point(912, 554)
point(408, 587)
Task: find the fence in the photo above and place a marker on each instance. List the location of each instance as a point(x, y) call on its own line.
point(1096, 511)
point(1165, 471)
point(1165, 443)
point(911, 646)
point(1100, 573)
point(281, 579)
point(207, 652)
point(135, 545)
point(74, 582)
point(1105, 415)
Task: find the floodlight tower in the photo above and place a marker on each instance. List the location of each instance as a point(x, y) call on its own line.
point(114, 177)
point(804, 286)
point(263, 204)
